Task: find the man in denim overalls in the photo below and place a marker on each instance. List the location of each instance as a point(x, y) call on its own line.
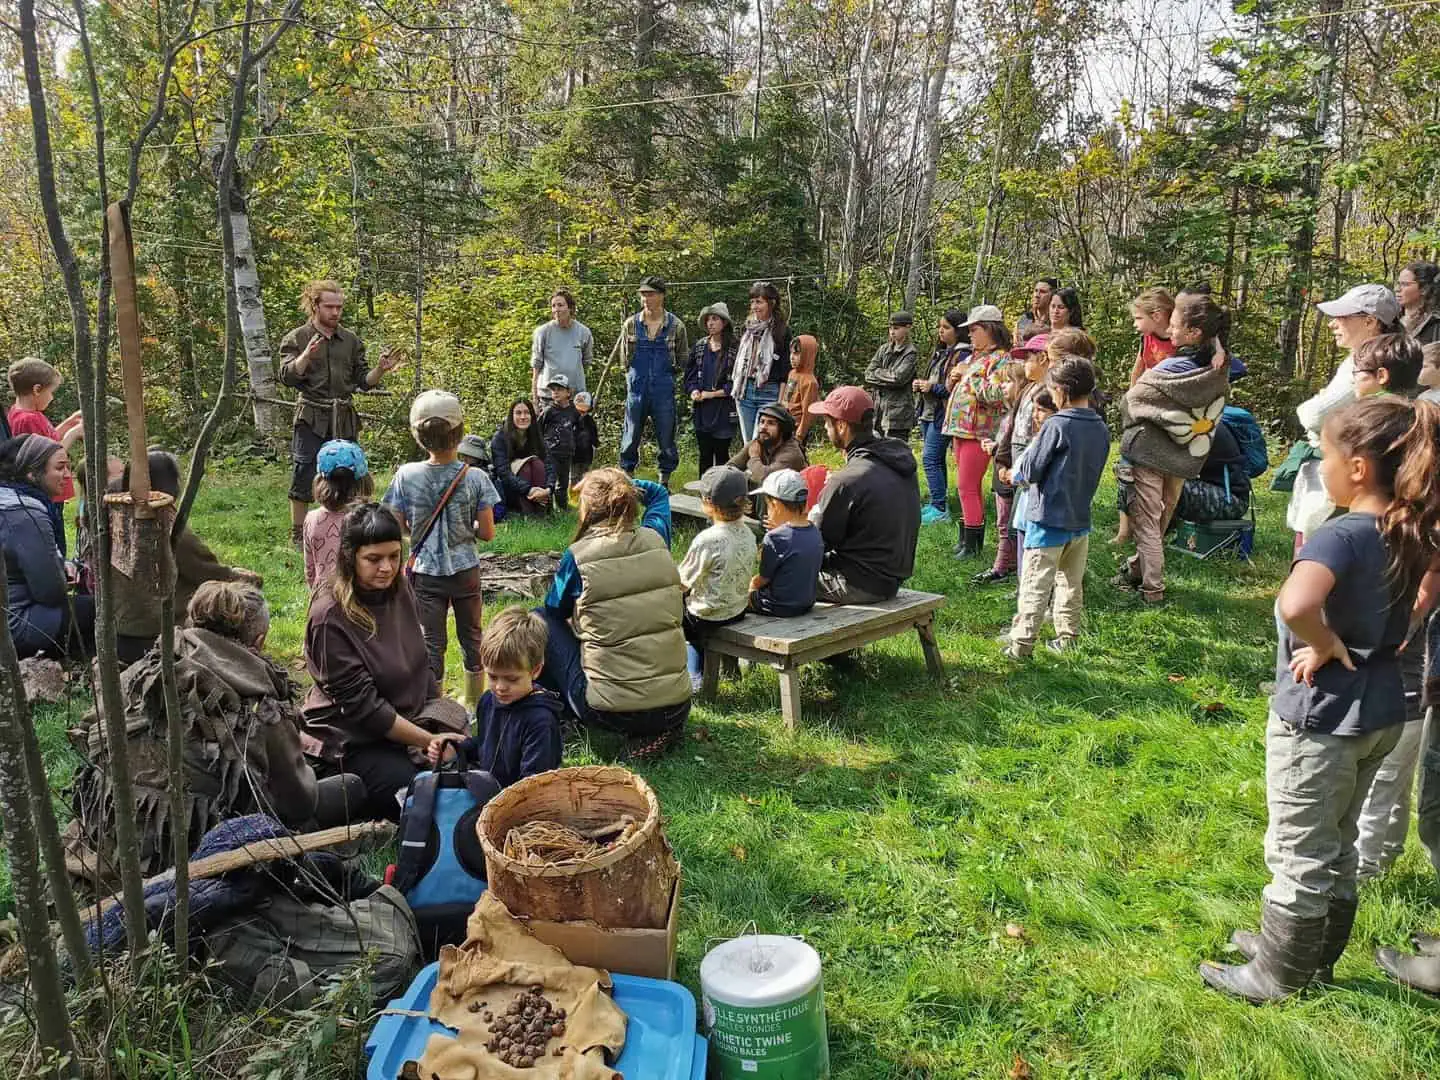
point(653, 340)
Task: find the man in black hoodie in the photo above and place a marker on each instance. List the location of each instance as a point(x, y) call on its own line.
point(870, 511)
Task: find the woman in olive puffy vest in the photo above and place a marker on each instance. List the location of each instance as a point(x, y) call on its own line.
point(616, 653)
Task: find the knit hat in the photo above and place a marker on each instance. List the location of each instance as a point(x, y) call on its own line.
point(341, 454)
point(717, 308)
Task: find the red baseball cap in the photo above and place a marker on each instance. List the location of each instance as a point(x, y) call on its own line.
point(847, 403)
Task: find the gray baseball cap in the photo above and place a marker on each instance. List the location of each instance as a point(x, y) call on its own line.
point(724, 485)
point(787, 485)
point(1374, 300)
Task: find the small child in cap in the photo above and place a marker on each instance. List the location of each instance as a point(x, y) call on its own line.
point(715, 573)
point(559, 427)
point(791, 551)
point(445, 504)
point(517, 722)
point(342, 478)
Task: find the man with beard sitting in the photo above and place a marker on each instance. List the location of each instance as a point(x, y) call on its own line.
point(774, 446)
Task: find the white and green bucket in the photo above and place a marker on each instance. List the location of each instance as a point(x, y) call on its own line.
point(765, 1009)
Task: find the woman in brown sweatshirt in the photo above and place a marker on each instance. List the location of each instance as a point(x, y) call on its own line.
point(374, 695)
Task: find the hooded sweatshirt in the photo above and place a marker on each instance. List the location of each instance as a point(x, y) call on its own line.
point(516, 740)
point(802, 388)
point(869, 516)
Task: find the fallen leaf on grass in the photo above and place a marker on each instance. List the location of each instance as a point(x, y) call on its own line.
point(1214, 706)
point(1015, 930)
point(1173, 677)
point(749, 800)
point(1021, 1069)
point(701, 733)
point(738, 852)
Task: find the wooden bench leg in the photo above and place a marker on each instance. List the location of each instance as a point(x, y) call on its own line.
point(790, 697)
point(710, 675)
point(933, 663)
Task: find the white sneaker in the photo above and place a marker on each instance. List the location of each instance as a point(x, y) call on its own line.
point(1061, 644)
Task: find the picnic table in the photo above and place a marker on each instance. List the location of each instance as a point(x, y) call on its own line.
point(788, 644)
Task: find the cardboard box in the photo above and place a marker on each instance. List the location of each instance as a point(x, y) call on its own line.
point(650, 953)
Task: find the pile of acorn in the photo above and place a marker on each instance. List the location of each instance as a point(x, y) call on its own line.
point(522, 1032)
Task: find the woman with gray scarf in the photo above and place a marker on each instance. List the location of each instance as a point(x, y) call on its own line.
point(44, 618)
point(762, 359)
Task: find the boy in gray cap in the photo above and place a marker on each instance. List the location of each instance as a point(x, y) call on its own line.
point(889, 378)
point(791, 552)
point(715, 573)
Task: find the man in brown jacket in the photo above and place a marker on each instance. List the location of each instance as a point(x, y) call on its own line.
point(773, 447)
point(326, 364)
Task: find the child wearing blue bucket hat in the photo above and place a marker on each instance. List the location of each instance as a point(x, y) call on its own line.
point(342, 478)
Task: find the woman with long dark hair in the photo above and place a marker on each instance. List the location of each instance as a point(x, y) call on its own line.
point(707, 381)
point(952, 346)
point(1065, 310)
point(616, 651)
point(517, 454)
point(1417, 287)
point(762, 358)
point(44, 618)
point(375, 698)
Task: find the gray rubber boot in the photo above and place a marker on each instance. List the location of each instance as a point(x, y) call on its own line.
point(1426, 944)
point(1339, 922)
point(1417, 972)
point(1285, 962)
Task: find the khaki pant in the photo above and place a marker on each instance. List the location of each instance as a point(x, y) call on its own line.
point(1315, 785)
point(1428, 800)
point(1148, 514)
point(1060, 568)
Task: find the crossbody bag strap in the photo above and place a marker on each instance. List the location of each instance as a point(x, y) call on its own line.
point(419, 542)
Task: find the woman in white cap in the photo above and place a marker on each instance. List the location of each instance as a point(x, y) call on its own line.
point(972, 414)
point(1366, 311)
point(707, 382)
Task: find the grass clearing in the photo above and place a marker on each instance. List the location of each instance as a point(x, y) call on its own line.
point(1109, 802)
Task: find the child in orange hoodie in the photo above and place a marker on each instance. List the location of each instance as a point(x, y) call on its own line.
point(802, 387)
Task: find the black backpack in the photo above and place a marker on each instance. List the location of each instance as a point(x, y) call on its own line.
point(441, 866)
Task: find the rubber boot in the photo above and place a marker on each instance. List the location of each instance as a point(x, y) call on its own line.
point(1284, 963)
point(1339, 922)
point(339, 800)
point(1417, 972)
point(1426, 944)
point(972, 539)
point(474, 689)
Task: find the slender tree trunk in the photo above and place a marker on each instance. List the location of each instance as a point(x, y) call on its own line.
point(175, 768)
point(1302, 244)
point(17, 799)
point(643, 153)
point(270, 421)
point(989, 225)
point(931, 141)
point(92, 406)
point(854, 179)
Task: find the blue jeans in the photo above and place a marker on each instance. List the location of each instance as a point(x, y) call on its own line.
point(653, 398)
point(934, 459)
point(752, 401)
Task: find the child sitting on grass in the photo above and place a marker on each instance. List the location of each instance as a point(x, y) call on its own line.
point(1062, 468)
point(342, 479)
point(1339, 702)
point(715, 573)
point(791, 551)
point(518, 722)
point(446, 506)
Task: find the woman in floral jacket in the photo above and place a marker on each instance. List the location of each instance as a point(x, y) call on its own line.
point(972, 414)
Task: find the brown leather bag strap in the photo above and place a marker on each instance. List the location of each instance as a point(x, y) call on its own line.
point(416, 543)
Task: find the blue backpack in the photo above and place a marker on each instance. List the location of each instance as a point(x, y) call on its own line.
point(441, 866)
point(1243, 426)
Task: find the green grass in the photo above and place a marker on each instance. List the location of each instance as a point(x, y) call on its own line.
point(1109, 802)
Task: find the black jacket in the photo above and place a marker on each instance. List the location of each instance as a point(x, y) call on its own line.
point(516, 741)
point(510, 485)
point(1226, 457)
point(559, 427)
point(870, 516)
point(587, 439)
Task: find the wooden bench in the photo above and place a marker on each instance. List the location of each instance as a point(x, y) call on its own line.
point(787, 644)
point(689, 506)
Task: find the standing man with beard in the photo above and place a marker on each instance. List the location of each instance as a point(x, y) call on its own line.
point(774, 446)
point(870, 511)
point(1037, 319)
point(326, 364)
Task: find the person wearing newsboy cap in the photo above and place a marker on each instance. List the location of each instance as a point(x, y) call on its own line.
point(869, 515)
point(653, 344)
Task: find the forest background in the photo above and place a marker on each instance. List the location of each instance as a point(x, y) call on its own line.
point(452, 164)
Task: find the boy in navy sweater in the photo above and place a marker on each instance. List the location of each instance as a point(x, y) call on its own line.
point(1062, 467)
point(518, 723)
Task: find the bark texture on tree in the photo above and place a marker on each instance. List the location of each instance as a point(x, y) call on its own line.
point(930, 140)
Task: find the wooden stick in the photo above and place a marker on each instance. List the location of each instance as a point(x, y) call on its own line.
point(270, 850)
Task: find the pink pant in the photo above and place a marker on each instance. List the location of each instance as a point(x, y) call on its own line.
point(971, 461)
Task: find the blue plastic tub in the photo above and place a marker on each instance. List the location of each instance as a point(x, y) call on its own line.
point(660, 1041)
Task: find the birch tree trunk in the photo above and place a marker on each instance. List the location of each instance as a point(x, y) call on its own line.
point(931, 142)
point(270, 419)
